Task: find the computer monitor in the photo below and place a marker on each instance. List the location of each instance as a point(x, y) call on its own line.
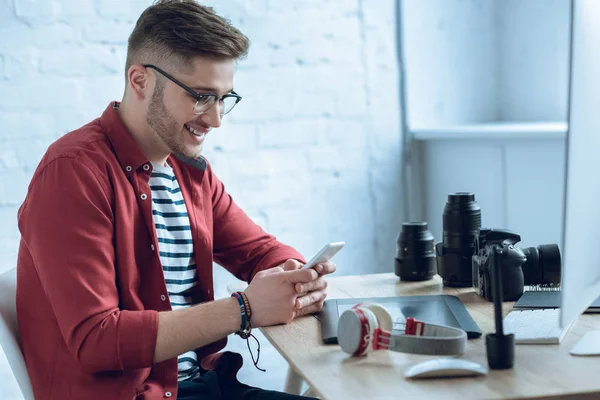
point(581, 225)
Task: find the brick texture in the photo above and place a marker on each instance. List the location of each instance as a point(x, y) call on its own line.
point(312, 152)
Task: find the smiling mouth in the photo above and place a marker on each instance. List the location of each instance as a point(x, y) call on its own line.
point(195, 131)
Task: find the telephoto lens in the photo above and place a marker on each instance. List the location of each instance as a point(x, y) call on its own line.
point(543, 265)
point(415, 255)
point(461, 224)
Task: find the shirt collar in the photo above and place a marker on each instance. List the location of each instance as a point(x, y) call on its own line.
point(126, 148)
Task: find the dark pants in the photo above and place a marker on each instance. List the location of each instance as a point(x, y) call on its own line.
point(210, 387)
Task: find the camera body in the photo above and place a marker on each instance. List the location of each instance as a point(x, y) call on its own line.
point(496, 248)
point(519, 267)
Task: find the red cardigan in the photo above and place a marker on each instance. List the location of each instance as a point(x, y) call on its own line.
point(89, 278)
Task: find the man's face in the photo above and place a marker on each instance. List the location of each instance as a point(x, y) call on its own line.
point(171, 120)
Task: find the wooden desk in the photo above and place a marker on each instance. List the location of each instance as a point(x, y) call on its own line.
point(540, 370)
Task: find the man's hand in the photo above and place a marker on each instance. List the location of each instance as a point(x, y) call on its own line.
point(272, 294)
point(280, 294)
point(311, 295)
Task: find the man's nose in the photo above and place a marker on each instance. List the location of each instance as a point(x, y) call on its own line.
point(213, 116)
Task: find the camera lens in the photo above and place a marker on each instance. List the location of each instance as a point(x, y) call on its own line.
point(415, 257)
point(543, 265)
point(461, 224)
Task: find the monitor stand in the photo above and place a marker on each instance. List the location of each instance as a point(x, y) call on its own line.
point(588, 345)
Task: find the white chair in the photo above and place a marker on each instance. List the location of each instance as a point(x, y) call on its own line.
point(9, 331)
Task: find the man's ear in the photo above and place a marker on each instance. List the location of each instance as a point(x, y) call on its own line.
point(139, 81)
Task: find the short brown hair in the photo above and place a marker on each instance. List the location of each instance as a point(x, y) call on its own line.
point(172, 32)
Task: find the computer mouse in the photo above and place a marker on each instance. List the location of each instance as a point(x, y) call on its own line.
point(443, 368)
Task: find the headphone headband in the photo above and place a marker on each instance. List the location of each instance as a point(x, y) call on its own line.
point(435, 340)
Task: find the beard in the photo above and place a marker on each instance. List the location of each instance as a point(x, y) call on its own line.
point(166, 129)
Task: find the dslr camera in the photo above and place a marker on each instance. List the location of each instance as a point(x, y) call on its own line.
point(495, 248)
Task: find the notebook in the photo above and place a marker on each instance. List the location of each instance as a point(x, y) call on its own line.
point(532, 300)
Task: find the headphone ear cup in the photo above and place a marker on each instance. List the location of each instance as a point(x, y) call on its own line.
point(349, 332)
point(355, 331)
point(384, 319)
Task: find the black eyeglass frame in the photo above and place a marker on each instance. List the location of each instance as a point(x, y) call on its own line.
point(198, 96)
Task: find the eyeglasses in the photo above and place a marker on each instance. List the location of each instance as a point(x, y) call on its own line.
point(204, 102)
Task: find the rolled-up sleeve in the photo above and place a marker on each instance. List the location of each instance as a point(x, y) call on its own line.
point(67, 224)
point(240, 245)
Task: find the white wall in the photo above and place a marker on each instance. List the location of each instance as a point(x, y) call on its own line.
point(451, 61)
point(533, 40)
point(318, 124)
point(470, 62)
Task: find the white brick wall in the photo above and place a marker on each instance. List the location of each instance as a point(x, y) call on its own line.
point(319, 118)
point(319, 115)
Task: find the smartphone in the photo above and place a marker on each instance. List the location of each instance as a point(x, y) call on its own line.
point(325, 254)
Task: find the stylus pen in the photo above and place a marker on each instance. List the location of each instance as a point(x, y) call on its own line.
point(497, 292)
point(500, 347)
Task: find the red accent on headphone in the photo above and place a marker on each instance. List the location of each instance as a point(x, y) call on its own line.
point(414, 327)
point(364, 331)
point(381, 339)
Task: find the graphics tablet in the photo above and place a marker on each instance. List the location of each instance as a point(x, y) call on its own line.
point(435, 309)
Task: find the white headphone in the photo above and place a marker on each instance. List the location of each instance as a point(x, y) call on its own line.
point(368, 327)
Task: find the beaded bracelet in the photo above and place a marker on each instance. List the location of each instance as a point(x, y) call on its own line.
point(246, 304)
point(246, 330)
point(246, 326)
point(242, 308)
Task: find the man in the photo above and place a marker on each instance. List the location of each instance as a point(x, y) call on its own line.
point(122, 221)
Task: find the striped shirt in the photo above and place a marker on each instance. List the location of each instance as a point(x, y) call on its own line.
point(176, 250)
